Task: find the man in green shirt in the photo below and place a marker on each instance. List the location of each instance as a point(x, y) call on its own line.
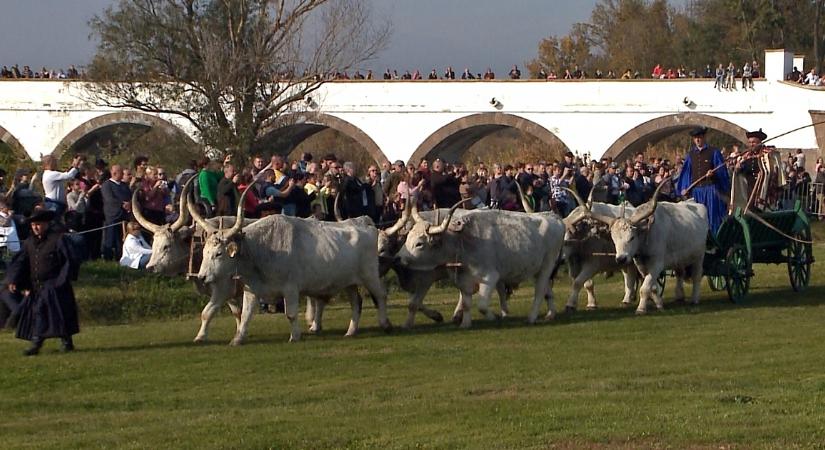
point(208, 179)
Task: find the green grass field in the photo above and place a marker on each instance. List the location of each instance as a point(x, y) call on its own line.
point(709, 377)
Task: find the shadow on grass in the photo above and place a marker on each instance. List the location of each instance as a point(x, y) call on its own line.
point(762, 298)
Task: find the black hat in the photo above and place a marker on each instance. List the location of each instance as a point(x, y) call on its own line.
point(699, 131)
point(757, 134)
point(42, 215)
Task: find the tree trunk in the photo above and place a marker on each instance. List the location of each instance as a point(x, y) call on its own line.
point(818, 36)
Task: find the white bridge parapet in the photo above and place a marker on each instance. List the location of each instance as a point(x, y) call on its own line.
point(408, 120)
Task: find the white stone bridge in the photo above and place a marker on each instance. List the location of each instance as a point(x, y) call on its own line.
point(409, 120)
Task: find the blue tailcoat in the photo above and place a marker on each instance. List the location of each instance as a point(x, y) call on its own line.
point(712, 195)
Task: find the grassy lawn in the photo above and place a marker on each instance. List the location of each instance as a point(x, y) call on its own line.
point(714, 376)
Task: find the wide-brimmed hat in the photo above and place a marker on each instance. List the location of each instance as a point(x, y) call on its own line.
point(757, 134)
point(42, 215)
point(699, 131)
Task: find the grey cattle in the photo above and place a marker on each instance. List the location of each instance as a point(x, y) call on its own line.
point(491, 247)
point(170, 257)
point(286, 256)
point(418, 282)
point(589, 250)
point(660, 236)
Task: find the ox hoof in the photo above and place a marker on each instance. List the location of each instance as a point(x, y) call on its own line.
point(458, 318)
point(236, 342)
point(199, 340)
point(592, 307)
point(625, 305)
point(680, 300)
point(569, 309)
point(550, 316)
point(315, 331)
point(641, 312)
point(387, 328)
point(437, 317)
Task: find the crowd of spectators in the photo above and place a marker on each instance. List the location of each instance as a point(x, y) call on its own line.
point(15, 72)
point(723, 74)
point(811, 78)
point(95, 197)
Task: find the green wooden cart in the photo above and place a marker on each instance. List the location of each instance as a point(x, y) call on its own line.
point(746, 239)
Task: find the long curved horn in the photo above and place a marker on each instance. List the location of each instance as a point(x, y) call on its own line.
point(443, 226)
point(143, 221)
point(650, 206)
point(405, 216)
point(578, 198)
point(199, 218)
point(590, 200)
point(622, 210)
point(238, 226)
point(183, 214)
point(415, 215)
point(526, 205)
point(335, 209)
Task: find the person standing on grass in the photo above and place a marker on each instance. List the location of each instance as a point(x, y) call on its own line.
point(40, 276)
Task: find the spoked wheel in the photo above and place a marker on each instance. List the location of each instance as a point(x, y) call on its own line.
point(800, 256)
point(738, 279)
point(717, 283)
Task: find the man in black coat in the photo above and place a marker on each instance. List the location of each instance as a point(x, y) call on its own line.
point(355, 194)
point(41, 274)
point(117, 203)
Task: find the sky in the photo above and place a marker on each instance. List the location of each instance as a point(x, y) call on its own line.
point(427, 34)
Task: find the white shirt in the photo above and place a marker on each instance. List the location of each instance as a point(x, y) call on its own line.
point(54, 183)
point(133, 248)
point(8, 235)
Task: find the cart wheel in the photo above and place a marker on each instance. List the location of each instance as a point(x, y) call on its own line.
point(717, 283)
point(799, 260)
point(738, 280)
point(661, 281)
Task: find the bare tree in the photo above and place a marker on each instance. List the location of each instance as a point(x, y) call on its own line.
point(232, 68)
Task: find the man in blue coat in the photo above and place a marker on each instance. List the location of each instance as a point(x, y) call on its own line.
point(704, 178)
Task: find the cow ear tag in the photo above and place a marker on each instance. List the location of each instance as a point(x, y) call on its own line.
point(232, 249)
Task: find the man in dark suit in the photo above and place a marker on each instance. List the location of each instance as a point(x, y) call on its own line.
point(117, 204)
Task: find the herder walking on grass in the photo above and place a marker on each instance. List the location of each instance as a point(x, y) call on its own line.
point(40, 276)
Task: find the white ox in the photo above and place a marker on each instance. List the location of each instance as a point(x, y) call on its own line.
point(491, 247)
point(170, 257)
point(418, 282)
point(589, 251)
point(660, 236)
point(285, 256)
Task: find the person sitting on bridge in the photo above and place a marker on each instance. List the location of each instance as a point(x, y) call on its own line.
point(704, 178)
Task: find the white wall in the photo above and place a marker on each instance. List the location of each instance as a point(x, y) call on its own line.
point(399, 116)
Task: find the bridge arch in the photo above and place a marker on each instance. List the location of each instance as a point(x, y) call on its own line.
point(17, 149)
point(454, 138)
point(101, 123)
point(652, 131)
point(295, 128)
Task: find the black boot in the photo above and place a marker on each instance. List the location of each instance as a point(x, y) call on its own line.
point(35, 347)
point(67, 345)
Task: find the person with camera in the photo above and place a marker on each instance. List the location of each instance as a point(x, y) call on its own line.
point(152, 195)
point(54, 183)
